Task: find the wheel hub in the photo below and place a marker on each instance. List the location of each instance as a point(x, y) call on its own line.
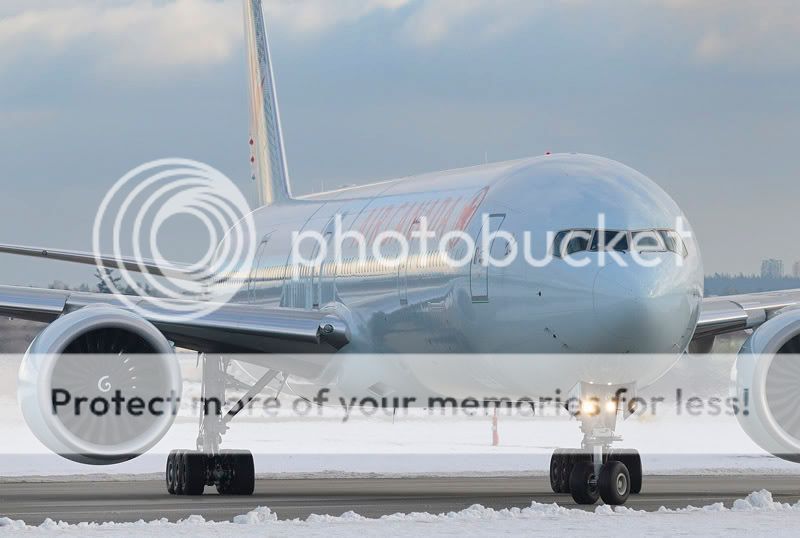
point(622, 484)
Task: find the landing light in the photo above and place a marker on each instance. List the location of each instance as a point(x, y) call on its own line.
point(593, 407)
point(590, 407)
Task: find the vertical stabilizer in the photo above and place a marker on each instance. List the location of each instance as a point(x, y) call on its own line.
point(268, 157)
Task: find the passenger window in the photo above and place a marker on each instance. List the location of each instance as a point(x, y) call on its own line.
point(613, 240)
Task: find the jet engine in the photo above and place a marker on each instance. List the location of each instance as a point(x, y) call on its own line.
point(99, 385)
point(766, 383)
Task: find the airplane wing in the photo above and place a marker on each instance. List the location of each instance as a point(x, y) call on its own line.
point(231, 328)
point(174, 270)
point(732, 313)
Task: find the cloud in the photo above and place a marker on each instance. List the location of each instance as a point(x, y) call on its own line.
point(125, 36)
point(744, 32)
point(135, 35)
point(437, 20)
point(316, 16)
point(747, 33)
point(150, 35)
point(712, 46)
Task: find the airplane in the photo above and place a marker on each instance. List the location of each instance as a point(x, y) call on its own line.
point(372, 316)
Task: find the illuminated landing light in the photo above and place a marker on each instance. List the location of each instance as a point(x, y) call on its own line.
point(590, 407)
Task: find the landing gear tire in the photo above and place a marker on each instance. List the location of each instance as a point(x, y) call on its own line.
point(194, 472)
point(614, 483)
point(583, 483)
point(186, 472)
point(237, 473)
point(559, 471)
point(633, 461)
point(171, 472)
point(189, 471)
point(178, 462)
point(562, 462)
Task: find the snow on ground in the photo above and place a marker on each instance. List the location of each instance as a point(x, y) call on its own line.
point(417, 444)
point(331, 442)
point(756, 515)
point(430, 445)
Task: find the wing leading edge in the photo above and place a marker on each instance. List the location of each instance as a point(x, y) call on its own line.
point(232, 328)
point(174, 270)
point(732, 313)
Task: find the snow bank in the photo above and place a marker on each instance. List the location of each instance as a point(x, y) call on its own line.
point(756, 515)
point(760, 500)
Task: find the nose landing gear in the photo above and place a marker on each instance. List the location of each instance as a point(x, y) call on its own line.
point(575, 472)
point(596, 471)
point(564, 462)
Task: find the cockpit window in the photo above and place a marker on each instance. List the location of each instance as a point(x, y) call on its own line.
point(674, 242)
point(612, 240)
point(568, 242)
point(576, 241)
point(647, 241)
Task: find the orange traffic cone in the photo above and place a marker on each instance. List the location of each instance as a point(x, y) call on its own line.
point(495, 435)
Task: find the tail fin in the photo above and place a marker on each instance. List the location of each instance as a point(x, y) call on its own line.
point(268, 156)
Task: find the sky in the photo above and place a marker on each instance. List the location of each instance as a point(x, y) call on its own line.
point(699, 95)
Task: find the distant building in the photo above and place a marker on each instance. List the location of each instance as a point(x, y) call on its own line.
point(796, 270)
point(772, 268)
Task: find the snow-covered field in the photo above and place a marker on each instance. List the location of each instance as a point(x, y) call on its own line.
point(420, 443)
point(331, 441)
point(756, 515)
point(417, 444)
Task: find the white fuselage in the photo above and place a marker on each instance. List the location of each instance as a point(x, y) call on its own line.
point(433, 308)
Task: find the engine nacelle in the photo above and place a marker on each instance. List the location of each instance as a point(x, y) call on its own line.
point(766, 382)
point(99, 385)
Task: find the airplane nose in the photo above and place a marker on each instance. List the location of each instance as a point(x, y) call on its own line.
point(642, 310)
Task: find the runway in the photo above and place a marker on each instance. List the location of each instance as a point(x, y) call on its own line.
point(119, 501)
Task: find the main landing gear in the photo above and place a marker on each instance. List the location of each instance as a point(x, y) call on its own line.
point(596, 471)
point(188, 472)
